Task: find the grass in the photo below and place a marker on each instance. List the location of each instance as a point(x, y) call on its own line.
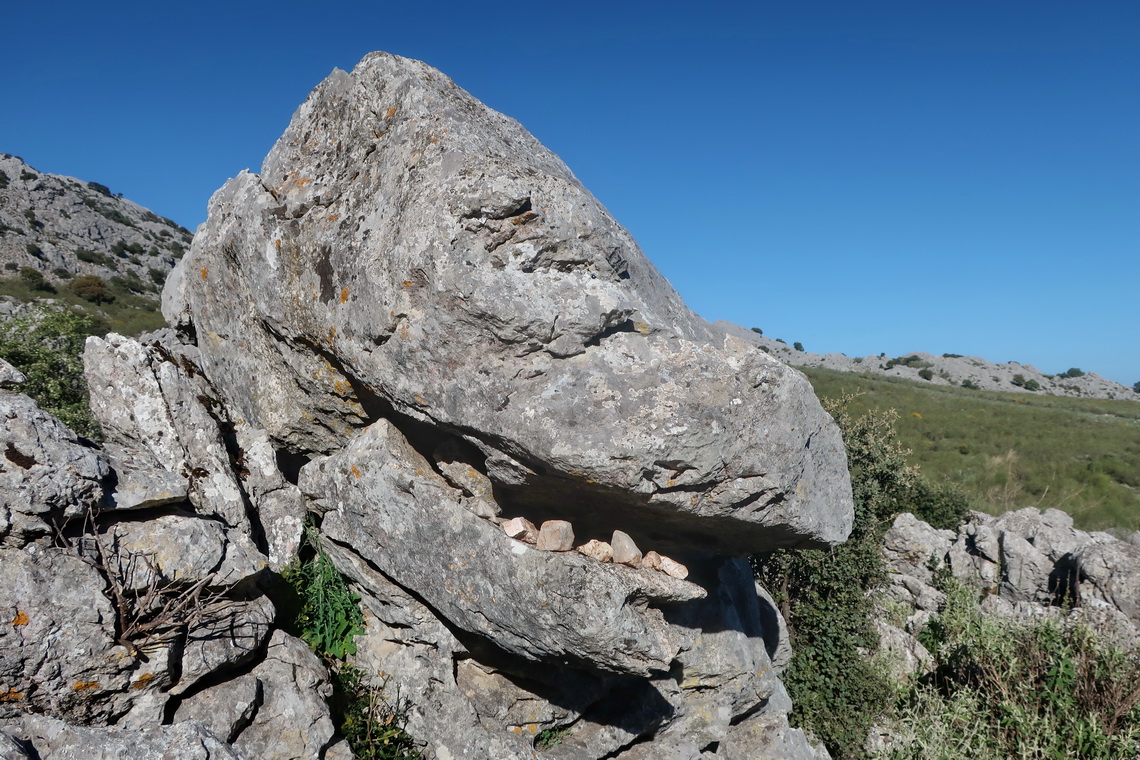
point(1012, 450)
point(129, 314)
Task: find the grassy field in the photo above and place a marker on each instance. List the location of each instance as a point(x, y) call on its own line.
point(1012, 450)
point(129, 314)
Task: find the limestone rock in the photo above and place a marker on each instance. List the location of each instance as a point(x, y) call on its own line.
point(406, 250)
point(292, 720)
point(625, 550)
point(380, 496)
point(9, 375)
point(57, 740)
point(47, 477)
point(555, 536)
point(599, 550)
point(154, 399)
point(521, 529)
point(58, 652)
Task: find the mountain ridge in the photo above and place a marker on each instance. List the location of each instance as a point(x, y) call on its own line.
point(947, 369)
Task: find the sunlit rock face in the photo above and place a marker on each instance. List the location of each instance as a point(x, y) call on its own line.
point(406, 252)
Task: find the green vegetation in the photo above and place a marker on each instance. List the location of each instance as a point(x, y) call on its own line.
point(837, 690)
point(92, 288)
point(46, 345)
point(1003, 689)
point(326, 614)
point(550, 737)
point(34, 279)
point(129, 313)
point(1012, 450)
point(371, 723)
point(798, 346)
point(329, 616)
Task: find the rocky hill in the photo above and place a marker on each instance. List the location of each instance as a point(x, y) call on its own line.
point(948, 369)
point(414, 352)
point(64, 227)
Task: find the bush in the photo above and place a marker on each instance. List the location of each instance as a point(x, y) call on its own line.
point(46, 345)
point(12, 266)
point(1073, 372)
point(1004, 689)
point(798, 346)
point(92, 288)
point(329, 617)
point(1032, 385)
point(968, 383)
point(1136, 386)
point(757, 330)
point(34, 279)
point(926, 374)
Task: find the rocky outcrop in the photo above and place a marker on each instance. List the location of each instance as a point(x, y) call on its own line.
point(63, 227)
point(1030, 563)
point(536, 468)
point(947, 369)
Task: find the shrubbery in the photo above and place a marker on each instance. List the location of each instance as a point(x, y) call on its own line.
point(838, 691)
point(1004, 689)
point(47, 346)
point(92, 288)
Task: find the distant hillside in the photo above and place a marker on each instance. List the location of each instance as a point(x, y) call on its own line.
point(78, 243)
point(1005, 450)
point(969, 372)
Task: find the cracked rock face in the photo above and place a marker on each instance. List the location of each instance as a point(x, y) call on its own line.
point(407, 250)
point(533, 465)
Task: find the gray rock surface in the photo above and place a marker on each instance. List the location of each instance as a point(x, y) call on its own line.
point(47, 476)
point(53, 739)
point(416, 330)
point(50, 223)
point(407, 250)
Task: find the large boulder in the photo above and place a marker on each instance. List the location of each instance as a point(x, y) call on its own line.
point(408, 253)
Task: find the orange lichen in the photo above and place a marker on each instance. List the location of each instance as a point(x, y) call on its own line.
point(85, 685)
point(408, 283)
point(21, 618)
point(302, 181)
point(11, 696)
point(332, 217)
point(205, 273)
point(391, 112)
point(344, 295)
point(142, 681)
point(355, 471)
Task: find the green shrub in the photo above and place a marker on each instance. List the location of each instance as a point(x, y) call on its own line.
point(757, 330)
point(1072, 372)
point(34, 279)
point(26, 176)
point(46, 345)
point(92, 288)
point(1032, 385)
point(798, 346)
point(1018, 380)
point(329, 617)
point(11, 266)
point(968, 383)
point(926, 374)
point(1003, 689)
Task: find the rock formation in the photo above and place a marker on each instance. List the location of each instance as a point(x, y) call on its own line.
point(63, 227)
point(947, 369)
point(1030, 563)
point(417, 330)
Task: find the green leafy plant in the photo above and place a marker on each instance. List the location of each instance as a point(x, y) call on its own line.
point(329, 617)
point(550, 737)
point(46, 344)
point(1002, 688)
point(926, 374)
point(92, 288)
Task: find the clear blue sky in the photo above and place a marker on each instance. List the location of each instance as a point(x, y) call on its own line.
point(859, 176)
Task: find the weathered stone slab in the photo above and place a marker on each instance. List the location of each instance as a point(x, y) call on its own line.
point(407, 248)
point(379, 496)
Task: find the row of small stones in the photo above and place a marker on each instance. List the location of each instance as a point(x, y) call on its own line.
point(558, 536)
